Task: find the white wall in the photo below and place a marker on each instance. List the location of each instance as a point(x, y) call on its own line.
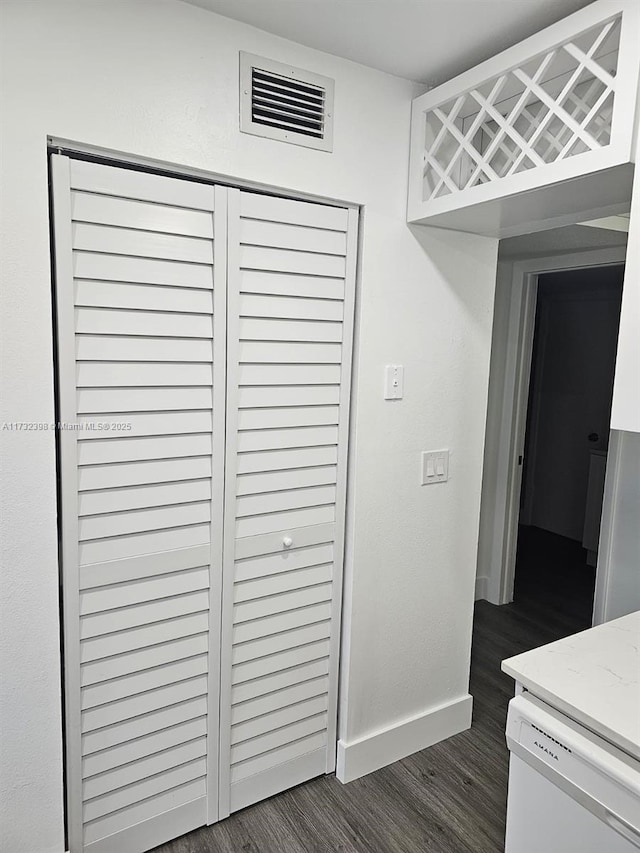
point(159, 79)
point(625, 411)
point(618, 578)
point(495, 471)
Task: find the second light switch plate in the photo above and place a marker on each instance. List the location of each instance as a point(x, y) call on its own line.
point(434, 467)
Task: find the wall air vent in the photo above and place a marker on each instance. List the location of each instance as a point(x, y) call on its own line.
point(285, 103)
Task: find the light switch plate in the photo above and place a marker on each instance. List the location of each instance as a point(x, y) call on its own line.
point(434, 467)
point(393, 382)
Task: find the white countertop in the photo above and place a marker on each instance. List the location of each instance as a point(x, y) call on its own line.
point(592, 677)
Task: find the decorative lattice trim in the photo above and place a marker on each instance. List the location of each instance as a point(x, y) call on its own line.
point(553, 106)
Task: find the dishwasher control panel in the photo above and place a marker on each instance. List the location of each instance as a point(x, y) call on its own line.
point(592, 771)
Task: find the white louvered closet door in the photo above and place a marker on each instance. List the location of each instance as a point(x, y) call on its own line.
point(291, 273)
point(141, 331)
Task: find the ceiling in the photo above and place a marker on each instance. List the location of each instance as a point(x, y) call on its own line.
point(612, 223)
point(429, 41)
point(572, 238)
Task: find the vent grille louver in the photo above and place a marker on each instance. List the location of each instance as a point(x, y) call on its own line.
point(285, 103)
point(280, 102)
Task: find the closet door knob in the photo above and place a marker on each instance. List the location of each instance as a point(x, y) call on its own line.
point(287, 542)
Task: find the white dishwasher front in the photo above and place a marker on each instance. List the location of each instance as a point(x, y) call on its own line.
point(570, 791)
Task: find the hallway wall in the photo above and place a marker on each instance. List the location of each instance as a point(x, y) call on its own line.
point(571, 386)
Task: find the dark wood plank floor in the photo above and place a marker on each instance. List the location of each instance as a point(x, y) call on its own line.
point(450, 798)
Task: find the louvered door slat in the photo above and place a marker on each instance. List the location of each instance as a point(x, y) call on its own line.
point(272, 329)
point(107, 828)
point(283, 698)
point(154, 423)
point(140, 289)
point(141, 473)
point(155, 656)
point(99, 374)
point(289, 580)
point(275, 234)
point(142, 186)
point(297, 307)
point(120, 240)
point(143, 297)
point(298, 478)
point(111, 780)
point(104, 267)
point(109, 748)
point(103, 321)
point(177, 606)
point(265, 352)
point(146, 566)
point(98, 599)
point(115, 713)
point(274, 685)
point(300, 213)
point(286, 260)
point(140, 543)
point(126, 213)
point(314, 286)
point(120, 348)
point(290, 317)
point(125, 638)
point(302, 625)
point(104, 451)
point(138, 497)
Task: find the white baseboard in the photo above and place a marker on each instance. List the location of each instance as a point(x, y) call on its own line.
point(381, 748)
point(482, 588)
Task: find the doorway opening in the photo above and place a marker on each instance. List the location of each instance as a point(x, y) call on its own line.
point(556, 322)
point(566, 440)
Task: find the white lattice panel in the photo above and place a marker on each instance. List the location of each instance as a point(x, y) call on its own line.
point(521, 119)
point(562, 105)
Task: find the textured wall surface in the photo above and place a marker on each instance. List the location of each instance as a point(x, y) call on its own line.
point(625, 412)
point(160, 79)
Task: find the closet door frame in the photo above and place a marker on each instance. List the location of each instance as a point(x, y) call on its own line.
point(342, 484)
point(233, 319)
point(227, 193)
point(68, 492)
point(67, 503)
